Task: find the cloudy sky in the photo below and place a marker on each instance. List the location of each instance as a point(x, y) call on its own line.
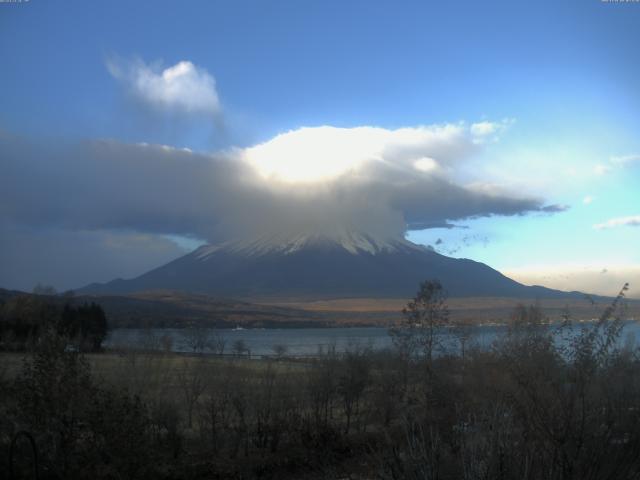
point(505, 132)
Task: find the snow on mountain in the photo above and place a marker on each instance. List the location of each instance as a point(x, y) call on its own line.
point(353, 242)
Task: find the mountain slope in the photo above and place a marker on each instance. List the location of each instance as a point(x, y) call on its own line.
point(318, 267)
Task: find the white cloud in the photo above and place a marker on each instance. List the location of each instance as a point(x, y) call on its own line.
point(625, 160)
point(325, 153)
point(632, 221)
point(616, 162)
point(182, 87)
point(489, 131)
point(482, 129)
point(601, 169)
point(425, 164)
point(588, 200)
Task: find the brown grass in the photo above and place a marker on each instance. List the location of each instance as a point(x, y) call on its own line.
point(474, 309)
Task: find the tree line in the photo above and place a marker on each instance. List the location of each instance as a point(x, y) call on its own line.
point(24, 320)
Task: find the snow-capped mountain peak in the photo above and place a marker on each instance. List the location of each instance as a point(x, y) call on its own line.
point(352, 242)
point(307, 266)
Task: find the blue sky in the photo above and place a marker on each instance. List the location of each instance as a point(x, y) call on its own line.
point(561, 76)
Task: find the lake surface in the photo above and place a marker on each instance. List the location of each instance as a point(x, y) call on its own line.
point(308, 341)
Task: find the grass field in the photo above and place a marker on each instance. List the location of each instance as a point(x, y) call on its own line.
point(473, 309)
point(150, 373)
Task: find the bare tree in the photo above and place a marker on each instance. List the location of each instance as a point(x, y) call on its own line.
point(463, 332)
point(166, 341)
point(239, 347)
point(280, 351)
point(422, 318)
point(41, 289)
point(199, 339)
point(195, 338)
point(191, 380)
point(217, 343)
point(352, 382)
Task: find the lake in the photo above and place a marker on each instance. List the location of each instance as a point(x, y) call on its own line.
point(309, 341)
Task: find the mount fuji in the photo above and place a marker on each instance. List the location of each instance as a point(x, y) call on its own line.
point(345, 265)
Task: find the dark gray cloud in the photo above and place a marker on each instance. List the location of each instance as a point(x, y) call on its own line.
point(554, 208)
point(428, 225)
point(112, 186)
point(69, 259)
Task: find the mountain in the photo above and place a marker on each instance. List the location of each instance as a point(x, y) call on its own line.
point(315, 267)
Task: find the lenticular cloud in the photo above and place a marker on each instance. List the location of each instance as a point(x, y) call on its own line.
point(367, 180)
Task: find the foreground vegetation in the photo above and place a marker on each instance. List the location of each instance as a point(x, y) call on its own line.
point(528, 408)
